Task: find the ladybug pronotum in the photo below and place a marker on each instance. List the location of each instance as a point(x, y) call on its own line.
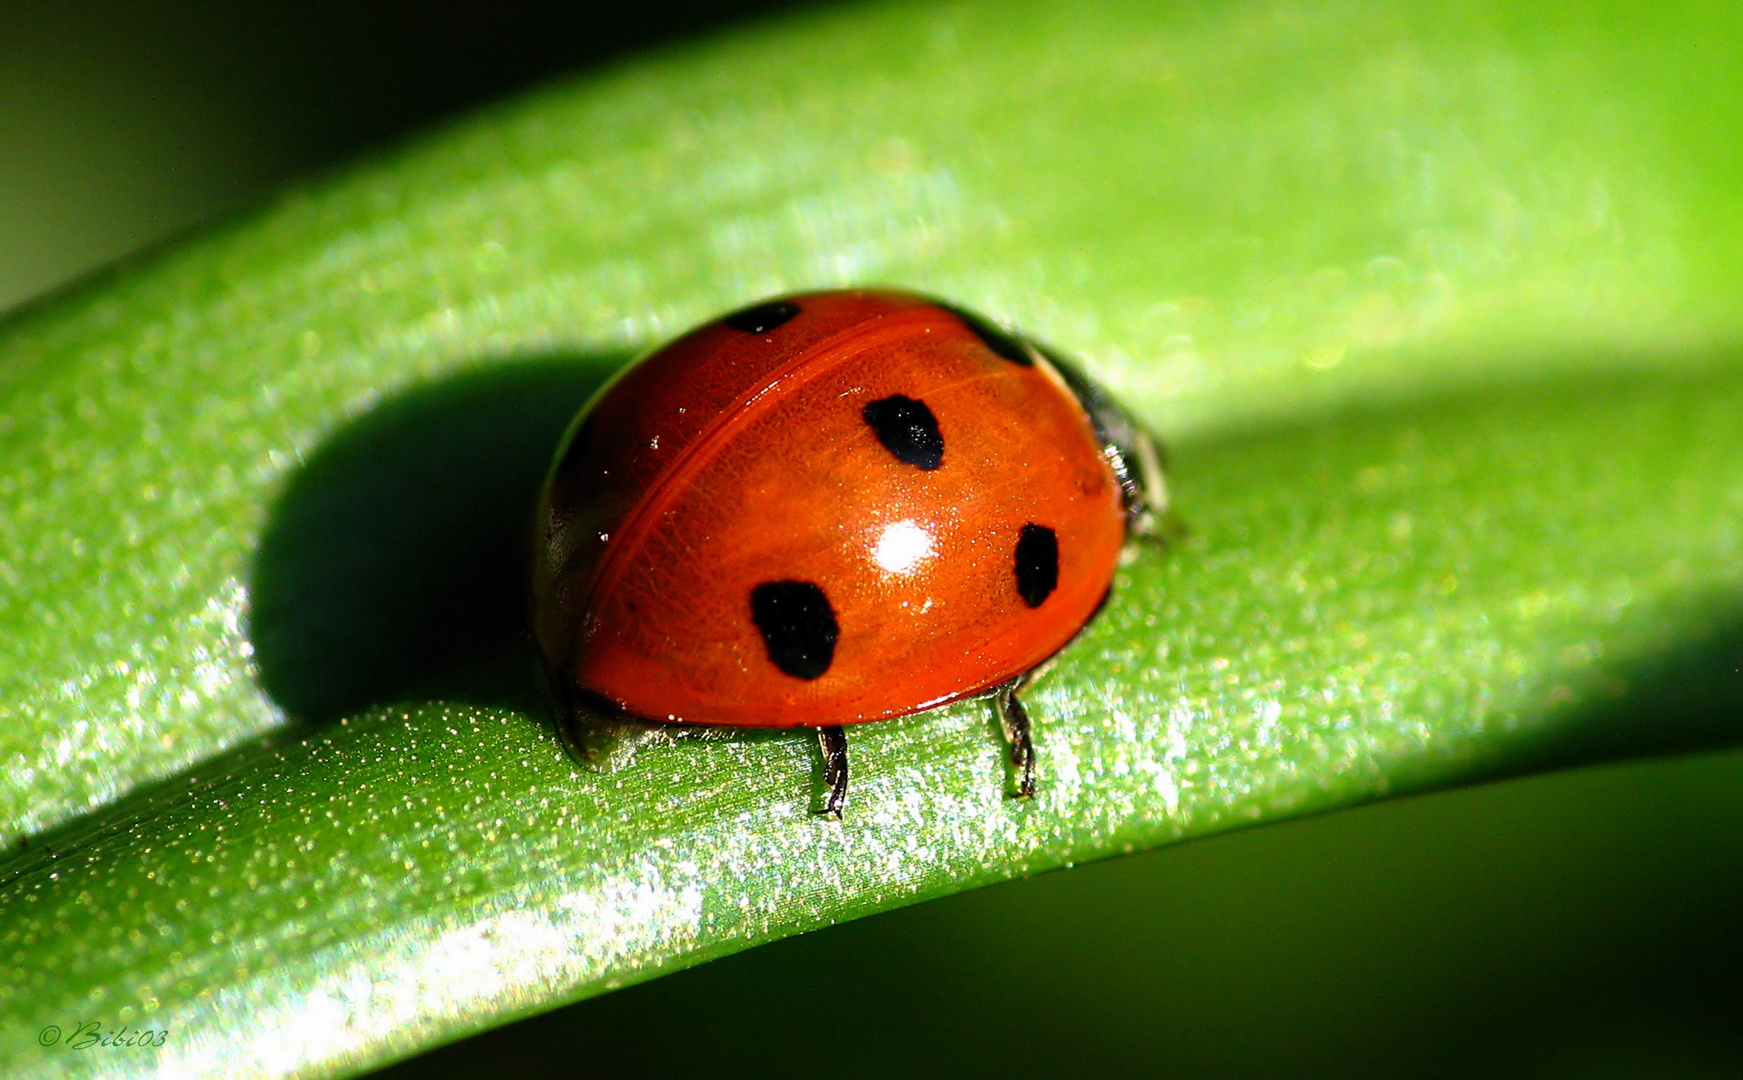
point(829, 509)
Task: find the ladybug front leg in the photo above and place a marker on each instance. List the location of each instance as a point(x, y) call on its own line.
point(1015, 720)
point(833, 741)
point(594, 734)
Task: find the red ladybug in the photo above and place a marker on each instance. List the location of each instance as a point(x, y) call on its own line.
point(828, 509)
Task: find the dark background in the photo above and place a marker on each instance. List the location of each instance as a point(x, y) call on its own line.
point(1584, 924)
point(123, 122)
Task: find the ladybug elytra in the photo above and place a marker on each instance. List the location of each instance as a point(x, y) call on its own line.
point(828, 509)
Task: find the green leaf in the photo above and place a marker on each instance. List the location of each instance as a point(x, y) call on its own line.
point(1432, 304)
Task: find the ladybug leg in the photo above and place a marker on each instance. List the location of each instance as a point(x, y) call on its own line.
point(833, 741)
point(595, 735)
point(1015, 720)
point(564, 706)
point(1164, 526)
point(1151, 474)
point(1150, 516)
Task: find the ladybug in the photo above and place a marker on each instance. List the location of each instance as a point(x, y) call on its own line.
point(828, 509)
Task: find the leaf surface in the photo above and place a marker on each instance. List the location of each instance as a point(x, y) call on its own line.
point(1427, 303)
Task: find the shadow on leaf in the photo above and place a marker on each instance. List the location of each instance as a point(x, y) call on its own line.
point(393, 566)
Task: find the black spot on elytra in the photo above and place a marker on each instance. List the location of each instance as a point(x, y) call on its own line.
point(908, 430)
point(1037, 564)
point(1002, 344)
point(763, 317)
point(797, 624)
